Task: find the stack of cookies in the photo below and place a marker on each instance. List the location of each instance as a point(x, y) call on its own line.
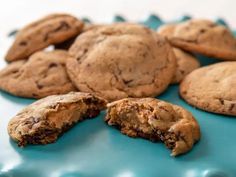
point(113, 61)
point(124, 64)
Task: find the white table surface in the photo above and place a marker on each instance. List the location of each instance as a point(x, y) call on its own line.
point(15, 13)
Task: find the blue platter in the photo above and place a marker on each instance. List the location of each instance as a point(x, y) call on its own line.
point(93, 149)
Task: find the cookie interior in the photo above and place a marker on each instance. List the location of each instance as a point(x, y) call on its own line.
point(43, 122)
point(149, 121)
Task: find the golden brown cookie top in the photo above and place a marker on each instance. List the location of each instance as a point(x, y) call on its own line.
point(88, 27)
point(152, 116)
point(121, 60)
point(46, 31)
point(205, 32)
point(205, 37)
point(41, 75)
point(212, 88)
point(167, 30)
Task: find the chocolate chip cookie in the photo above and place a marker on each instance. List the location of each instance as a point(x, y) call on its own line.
point(212, 88)
point(43, 74)
point(205, 37)
point(155, 120)
point(121, 60)
point(38, 35)
point(186, 62)
point(45, 120)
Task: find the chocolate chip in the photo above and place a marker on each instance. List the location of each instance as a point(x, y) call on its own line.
point(145, 54)
point(39, 86)
point(127, 81)
point(85, 51)
point(14, 71)
point(53, 106)
point(82, 55)
point(23, 43)
point(202, 31)
point(35, 95)
point(182, 71)
point(231, 106)
point(169, 139)
point(66, 44)
point(107, 33)
point(221, 101)
point(89, 100)
point(63, 26)
point(92, 113)
point(52, 65)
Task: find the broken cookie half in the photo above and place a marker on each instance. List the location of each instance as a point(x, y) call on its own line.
point(155, 120)
point(43, 121)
